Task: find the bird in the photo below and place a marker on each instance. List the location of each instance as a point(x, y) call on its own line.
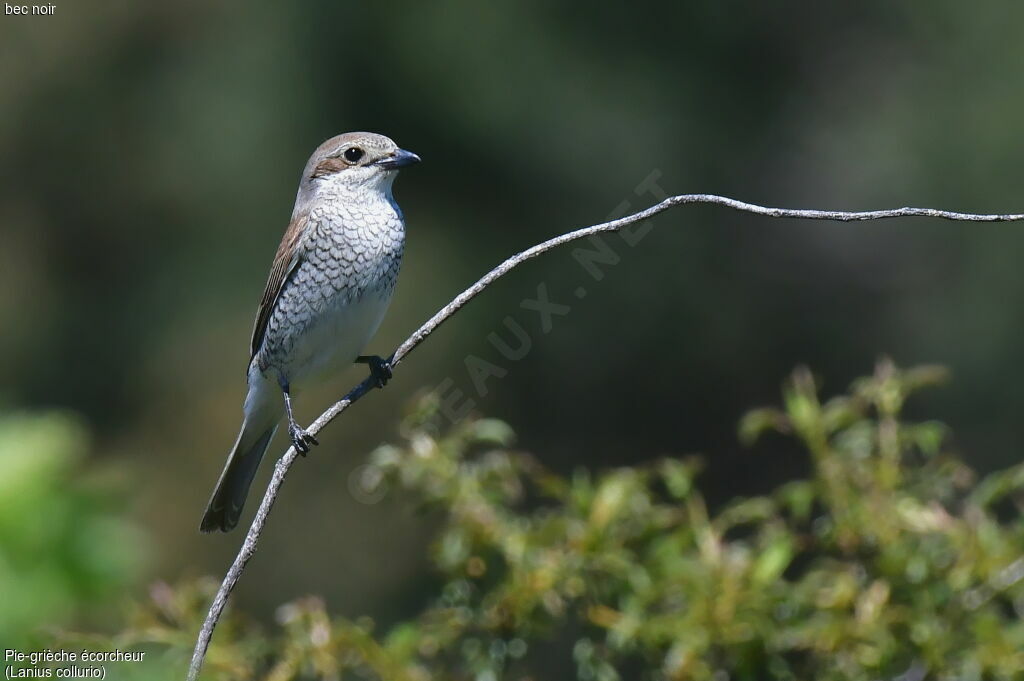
point(329, 287)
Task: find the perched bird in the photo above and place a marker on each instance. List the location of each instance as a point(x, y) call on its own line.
point(329, 286)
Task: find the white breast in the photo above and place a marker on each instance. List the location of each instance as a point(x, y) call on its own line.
point(335, 338)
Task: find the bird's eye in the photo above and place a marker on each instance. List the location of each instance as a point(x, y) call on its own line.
point(353, 154)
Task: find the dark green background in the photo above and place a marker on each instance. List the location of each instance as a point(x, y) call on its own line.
point(149, 154)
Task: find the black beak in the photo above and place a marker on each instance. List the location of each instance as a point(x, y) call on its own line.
point(399, 159)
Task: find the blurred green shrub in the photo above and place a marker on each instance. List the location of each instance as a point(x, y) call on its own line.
point(64, 551)
point(889, 561)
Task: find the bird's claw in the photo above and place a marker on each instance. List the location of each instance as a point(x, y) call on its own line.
point(380, 370)
point(301, 439)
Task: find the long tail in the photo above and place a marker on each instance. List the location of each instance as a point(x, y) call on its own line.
point(232, 488)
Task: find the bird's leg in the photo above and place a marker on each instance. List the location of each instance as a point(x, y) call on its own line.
point(380, 368)
point(300, 437)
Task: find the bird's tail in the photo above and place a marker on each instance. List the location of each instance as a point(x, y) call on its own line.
point(229, 495)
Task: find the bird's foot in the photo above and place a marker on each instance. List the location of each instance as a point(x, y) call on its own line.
point(380, 368)
point(301, 438)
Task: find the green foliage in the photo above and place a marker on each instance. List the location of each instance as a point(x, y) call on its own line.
point(63, 549)
point(887, 559)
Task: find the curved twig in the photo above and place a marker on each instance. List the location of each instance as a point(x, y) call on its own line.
point(285, 462)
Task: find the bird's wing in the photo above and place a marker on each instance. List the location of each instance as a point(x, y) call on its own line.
point(288, 257)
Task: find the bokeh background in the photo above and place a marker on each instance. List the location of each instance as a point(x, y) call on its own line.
point(149, 155)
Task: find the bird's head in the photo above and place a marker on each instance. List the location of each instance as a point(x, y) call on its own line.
point(354, 162)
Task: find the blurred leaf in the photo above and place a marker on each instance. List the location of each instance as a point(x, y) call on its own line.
point(758, 421)
point(63, 551)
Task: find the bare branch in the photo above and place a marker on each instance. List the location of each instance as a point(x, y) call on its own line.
point(285, 462)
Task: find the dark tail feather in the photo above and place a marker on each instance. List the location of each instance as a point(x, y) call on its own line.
point(229, 495)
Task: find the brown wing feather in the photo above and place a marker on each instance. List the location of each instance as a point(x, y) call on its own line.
point(285, 261)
